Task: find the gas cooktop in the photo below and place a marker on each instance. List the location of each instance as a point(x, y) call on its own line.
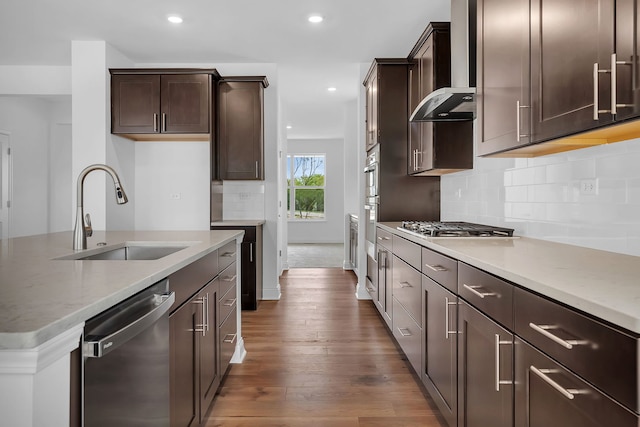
point(454, 229)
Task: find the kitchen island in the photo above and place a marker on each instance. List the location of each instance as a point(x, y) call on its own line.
point(44, 302)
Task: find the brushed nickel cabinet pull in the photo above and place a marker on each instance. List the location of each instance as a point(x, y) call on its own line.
point(257, 169)
point(229, 338)
point(406, 285)
point(498, 343)
point(569, 393)
point(203, 326)
point(518, 119)
point(544, 330)
point(404, 332)
point(473, 290)
point(164, 122)
point(251, 252)
point(436, 267)
point(230, 302)
point(596, 110)
point(447, 332)
point(155, 122)
point(229, 278)
point(614, 84)
point(228, 254)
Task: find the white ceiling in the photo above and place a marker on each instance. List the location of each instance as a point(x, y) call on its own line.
point(310, 57)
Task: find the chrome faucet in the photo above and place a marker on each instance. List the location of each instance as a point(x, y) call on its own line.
point(81, 230)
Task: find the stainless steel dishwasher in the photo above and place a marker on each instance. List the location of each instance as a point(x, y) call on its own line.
point(126, 362)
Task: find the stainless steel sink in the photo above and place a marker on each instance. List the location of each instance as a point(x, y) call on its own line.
point(127, 252)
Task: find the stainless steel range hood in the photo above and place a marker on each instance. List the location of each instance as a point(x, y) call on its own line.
point(455, 103)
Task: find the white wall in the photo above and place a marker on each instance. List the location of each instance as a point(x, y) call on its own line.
point(172, 185)
point(330, 230)
point(32, 123)
point(540, 197)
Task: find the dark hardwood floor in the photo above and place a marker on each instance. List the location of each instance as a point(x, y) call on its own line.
point(319, 357)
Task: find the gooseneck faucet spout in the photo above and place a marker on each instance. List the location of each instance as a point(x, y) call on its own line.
point(80, 230)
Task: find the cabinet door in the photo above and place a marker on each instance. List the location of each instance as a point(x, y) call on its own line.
point(185, 103)
point(415, 128)
point(548, 395)
point(503, 98)
point(628, 66)
point(568, 39)
point(185, 406)
point(241, 130)
point(135, 103)
point(206, 331)
point(485, 371)
point(440, 352)
point(372, 111)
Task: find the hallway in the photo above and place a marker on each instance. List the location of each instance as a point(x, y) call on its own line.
point(319, 357)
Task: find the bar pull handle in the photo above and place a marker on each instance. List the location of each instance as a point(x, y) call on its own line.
point(406, 285)
point(228, 254)
point(155, 122)
point(229, 338)
point(474, 290)
point(404, 332)
point(596, 110)
point(569, 393)
point(230, 302)
point(164, 122)
point(447, 332)
point(202, 327)
point(250, 251)
point(518, 120)
point(229, 278)
point(544, 330)
point(614, 84)
point(436, 267)
point(498, 343)
point(257, 169)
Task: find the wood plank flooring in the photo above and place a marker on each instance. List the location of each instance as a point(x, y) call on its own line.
point(319, 357)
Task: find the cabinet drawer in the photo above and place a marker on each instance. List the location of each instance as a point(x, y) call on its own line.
point(407, 288)
point(606, 357)
point(440, 268)
point(384, 238)
point(190, 279)
point(228, 278)
point(227, 254)
point(408, 251)
point(408, 334)
point(228, 338)
point(227, 303)
point(552, 395)
point(492, 296)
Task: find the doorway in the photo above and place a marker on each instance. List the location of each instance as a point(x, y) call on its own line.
point(5, 184)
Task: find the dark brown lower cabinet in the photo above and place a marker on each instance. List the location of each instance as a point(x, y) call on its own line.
point(195, 372)
point(385, 284)
point(440, 308)
point(549, 395)
point(485, 370)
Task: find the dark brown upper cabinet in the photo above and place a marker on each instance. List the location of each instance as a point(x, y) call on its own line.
point(582, 89)
point(161, 103)
point(241, 128)
point(435, 148)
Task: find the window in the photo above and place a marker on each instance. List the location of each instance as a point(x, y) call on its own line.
point(305, 186)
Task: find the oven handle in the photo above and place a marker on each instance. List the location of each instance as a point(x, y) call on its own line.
point(103, 345)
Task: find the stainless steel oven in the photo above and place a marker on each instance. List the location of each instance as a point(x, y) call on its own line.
point(372, 201)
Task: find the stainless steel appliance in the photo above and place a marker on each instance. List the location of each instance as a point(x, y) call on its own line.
point(372, 201)
point(453, 229)
point(126, 362)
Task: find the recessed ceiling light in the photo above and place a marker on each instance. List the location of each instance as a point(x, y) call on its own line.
point(316, 19)
point(332, 89)
point(289, 126)
point(174, 19)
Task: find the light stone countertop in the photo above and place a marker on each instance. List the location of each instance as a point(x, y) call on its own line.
point(603, 284)
point(41, 297)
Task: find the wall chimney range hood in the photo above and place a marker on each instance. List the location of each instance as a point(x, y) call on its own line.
point(456, 103)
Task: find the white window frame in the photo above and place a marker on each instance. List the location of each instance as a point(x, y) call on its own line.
point(291, 211)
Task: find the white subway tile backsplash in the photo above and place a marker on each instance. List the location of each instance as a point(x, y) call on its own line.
point(541, 197)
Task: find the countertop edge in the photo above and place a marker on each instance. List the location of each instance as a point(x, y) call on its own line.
point(32, 339)
point(608, 314)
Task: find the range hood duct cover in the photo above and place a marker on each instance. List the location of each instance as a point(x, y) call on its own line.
point(456, 103)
